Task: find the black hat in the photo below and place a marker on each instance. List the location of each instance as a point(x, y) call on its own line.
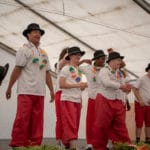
point(3, 72)
point(147, 68)
point(114, 55)
point(32, 26)
point(98, 54)
point(74, 51)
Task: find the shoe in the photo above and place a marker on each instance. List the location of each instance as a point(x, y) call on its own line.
point(137, 140)
point(89, 148)
point(147, 142)
point(66, 148)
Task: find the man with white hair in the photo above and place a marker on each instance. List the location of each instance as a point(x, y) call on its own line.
point(109, 108)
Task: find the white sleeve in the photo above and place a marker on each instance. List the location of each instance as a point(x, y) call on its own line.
point(48, 67)
point(138, 83)
point(21, 58)
point(106, 80)
point(64, 72)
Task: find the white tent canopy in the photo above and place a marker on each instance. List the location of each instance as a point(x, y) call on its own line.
point(90, 24)
point(101, 24)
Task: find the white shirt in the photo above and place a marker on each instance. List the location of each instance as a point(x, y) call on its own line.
point(91, 73)
point(143, 84)
point(109, 84)
point(32, 79)
point(71, 74)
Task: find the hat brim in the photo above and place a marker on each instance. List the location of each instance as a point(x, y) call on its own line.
point(26, 31)
point(6, 67)
point(122, 57)
point(74, 53)
point(97, 57)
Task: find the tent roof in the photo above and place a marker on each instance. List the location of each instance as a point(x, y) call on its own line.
point(97, 24)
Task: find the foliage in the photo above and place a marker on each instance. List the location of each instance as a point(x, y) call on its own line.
point(44, 147)
point(140, 146)
point(121, 146)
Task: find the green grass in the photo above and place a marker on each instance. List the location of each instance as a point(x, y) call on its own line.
point(44, 147)
point(121, 146)
point(117, 146)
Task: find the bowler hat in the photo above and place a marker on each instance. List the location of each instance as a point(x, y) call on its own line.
point(98, 54)
point(3, 72)
point(147, 68)
point(114, 55)
point(74, 51)
point(32, 26)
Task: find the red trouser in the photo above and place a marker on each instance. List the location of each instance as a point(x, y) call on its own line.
point(58, 128)
point(109, 122)
point(28, 124)
point(142, 114)
point(70, 112)
point(90, 120)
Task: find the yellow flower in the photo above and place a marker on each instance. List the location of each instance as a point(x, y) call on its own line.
point(42, 52)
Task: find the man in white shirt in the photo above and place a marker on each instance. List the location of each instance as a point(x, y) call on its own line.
point(109, 109)
point(32, 72)
point(142, 105)
point(91, 72)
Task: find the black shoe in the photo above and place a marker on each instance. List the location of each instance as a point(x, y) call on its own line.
point(66, 148)
point(89, 148)
point(107, 148)
point(147, 142)
point(137, 140)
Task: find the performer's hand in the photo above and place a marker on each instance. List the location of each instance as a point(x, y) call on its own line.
point(83, 85)
point(148, 103)
point(128, 87)
point(128, 107)
point(125, 88)
point(52, 96)
point(141, 102)
point(8, 94)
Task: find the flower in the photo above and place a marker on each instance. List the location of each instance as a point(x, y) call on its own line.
point(78, 79)
point(44, 61)
point(35, 60)
point(41, 66)
point(75, 74)
point(42, 52)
